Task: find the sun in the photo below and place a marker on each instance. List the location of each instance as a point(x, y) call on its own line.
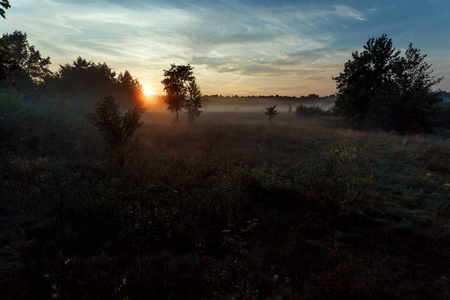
point(148, 92)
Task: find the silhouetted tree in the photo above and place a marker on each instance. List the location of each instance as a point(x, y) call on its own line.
point(5, 5)
point(130, 89)
point(8, 65)
point(271, 112)
point(176, 84)
point(193, 101)
point(379, 89)
point(84, 81)
point(31, 68)
point(115, 127)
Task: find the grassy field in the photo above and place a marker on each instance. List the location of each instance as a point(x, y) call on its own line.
point(230, 208)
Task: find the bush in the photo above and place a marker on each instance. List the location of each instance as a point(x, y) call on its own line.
point(115, 127)
point(310, 111)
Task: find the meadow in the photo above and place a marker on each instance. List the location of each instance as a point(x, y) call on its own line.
point(230, 207)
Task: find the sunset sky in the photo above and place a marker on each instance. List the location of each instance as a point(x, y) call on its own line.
point(236, 47)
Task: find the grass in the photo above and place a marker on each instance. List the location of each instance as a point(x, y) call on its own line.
point(231, 208)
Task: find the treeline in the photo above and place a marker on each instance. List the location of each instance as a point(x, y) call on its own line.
point(308, 97)
point(81, 82)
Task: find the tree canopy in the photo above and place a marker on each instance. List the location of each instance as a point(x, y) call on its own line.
point(8, 65)
point(379, 89)
point(32, 65)
point(193, 101)
point(85, 81)
point(182, 90)
point(82, 82)
point(116, 127)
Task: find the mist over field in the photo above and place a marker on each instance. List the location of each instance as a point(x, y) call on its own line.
point(254, 104)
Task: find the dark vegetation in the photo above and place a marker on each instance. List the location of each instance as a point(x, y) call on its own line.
point(116, 128)
point(230, 208)
point(379, 89)
point(303, 209)
point(81, 83)
point(311, 111)
point(271, 112)
point(182, 91)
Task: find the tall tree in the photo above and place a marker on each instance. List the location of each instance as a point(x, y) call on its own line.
point(130, 90)
point(32, 65)
point(176, 85)
point(377, 88)
point(8, 65)
point(85, 81)
point(193, 102)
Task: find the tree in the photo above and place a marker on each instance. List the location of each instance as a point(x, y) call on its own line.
point(130, 90)
point(8, 65)
point(31, 64)
point(116, 128)
point(176, 85)
point(5, 5)
point(271, 112)
point(85, 81)
point(379, 89)
point(193, 101)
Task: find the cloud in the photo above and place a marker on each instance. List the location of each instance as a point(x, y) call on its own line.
point(287, 64)
point(251, 42)
point(348, 12)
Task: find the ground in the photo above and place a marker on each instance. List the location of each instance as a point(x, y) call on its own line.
point(230, 208)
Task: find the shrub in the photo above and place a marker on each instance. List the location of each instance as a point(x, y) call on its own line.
point(310, 111)
point(115, 127)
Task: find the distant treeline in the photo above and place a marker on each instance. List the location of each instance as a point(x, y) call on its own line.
point(308, 97)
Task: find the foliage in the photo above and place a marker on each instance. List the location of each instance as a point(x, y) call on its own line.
point(8, 65)
point(5, 4)
point(193, 101)
point(310, 111)
point(84, 81)
point(179, 85)
point(379, 89)
point(271, 112)
point(116, 128)
point(33, 68)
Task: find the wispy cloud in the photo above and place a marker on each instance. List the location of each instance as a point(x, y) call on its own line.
point(228, 41)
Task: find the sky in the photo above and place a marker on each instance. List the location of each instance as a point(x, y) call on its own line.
point(251, 47)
